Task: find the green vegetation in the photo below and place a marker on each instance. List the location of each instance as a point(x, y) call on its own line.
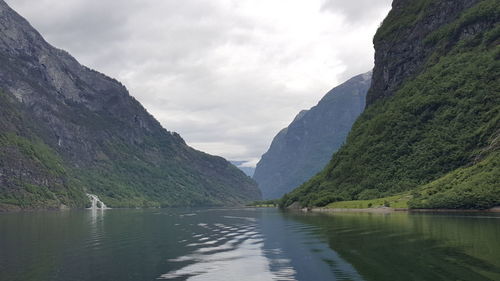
point(124, 181)
point(36, 151)
point(396, 201)
point(486, 10)
point(399, 20)
point(436, 123)
point(474, 187)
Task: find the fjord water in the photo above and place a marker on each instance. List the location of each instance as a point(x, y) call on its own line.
point(247, 244)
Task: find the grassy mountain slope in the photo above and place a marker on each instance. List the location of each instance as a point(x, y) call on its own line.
point(438, 130)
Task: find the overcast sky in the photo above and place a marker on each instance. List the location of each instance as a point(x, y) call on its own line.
point(225, 74)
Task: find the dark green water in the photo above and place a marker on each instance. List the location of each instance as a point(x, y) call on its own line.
point(247, 244)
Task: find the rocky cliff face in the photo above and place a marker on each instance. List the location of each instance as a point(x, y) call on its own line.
point(302, 149)
point(400, 43)
point(101, 138)
point(432, 122)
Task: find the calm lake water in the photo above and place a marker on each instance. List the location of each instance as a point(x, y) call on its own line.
point(247, 244)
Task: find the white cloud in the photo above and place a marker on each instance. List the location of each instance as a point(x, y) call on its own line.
point(226, 74)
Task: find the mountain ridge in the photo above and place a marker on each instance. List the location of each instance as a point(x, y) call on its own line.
point(105, 141)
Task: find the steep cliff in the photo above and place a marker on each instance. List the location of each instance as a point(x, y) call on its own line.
point(67, 130)
point(432, 120)
point(302, 149)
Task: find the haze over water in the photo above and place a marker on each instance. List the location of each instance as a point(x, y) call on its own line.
point(247, 244)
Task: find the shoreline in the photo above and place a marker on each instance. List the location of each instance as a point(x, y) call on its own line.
point(387, 210)
point(379, 210)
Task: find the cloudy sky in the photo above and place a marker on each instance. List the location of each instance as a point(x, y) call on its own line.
point(226, 74)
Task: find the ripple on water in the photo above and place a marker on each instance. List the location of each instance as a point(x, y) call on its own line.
point(240, 255)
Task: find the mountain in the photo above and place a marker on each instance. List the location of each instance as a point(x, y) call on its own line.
point(67, 130)
point(302, 149)
point(431, 127)
point(249, 171)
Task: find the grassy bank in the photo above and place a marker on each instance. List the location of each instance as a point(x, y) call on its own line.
point(396, 201)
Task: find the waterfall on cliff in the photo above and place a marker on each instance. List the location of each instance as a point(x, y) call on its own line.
point(96, 202)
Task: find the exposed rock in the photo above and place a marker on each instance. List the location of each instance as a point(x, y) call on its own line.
point(401, 48)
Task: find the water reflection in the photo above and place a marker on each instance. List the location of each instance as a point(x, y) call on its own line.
point(246, 244)
point(265, 247)
point(308, 253)
point(402, 246)
point(230, 252)
point(96, 227)
point(96, 216)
